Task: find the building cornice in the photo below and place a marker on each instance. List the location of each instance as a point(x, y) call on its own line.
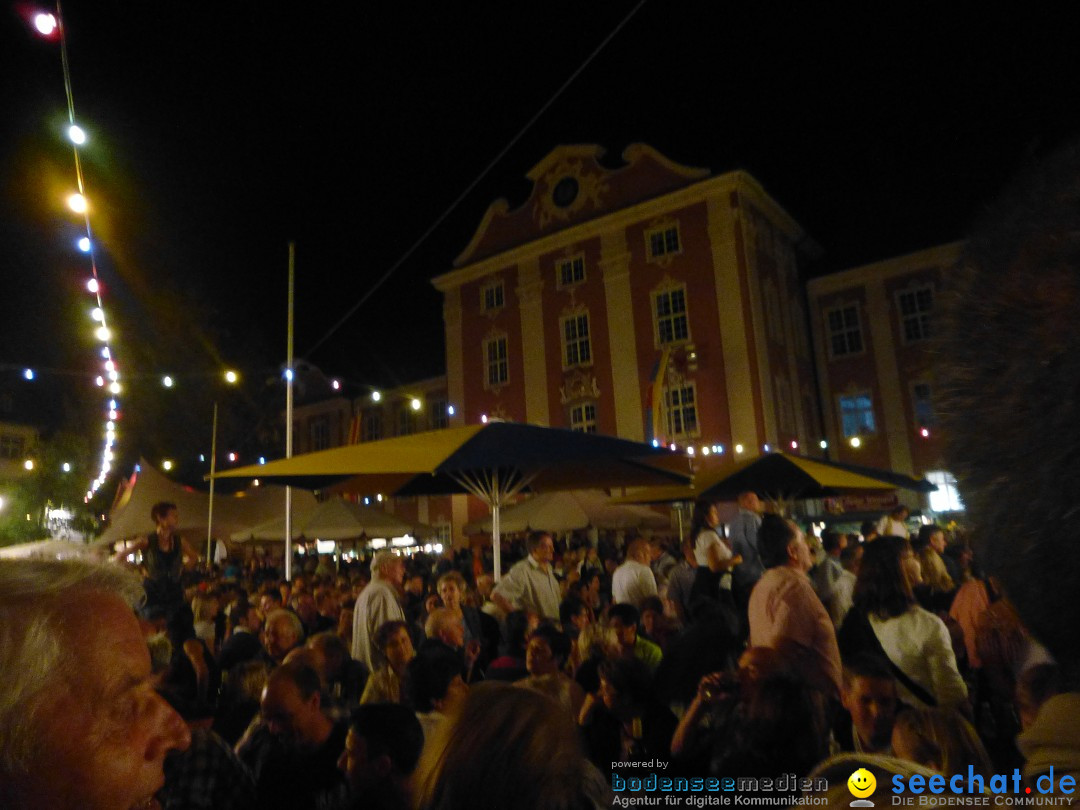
point(738, 181)
point(940, 256)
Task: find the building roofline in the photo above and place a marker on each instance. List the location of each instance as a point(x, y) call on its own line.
point(945, 254)
point(736, 181)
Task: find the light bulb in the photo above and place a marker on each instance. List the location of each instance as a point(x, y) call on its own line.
point(45, 24)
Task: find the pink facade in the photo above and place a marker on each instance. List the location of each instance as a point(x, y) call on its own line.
point(668, 271)
point(890, 307)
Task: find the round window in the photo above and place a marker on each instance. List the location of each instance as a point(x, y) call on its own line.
point(565, 192)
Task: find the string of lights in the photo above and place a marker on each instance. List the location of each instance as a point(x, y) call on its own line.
point(51, 27)
point(174, 380)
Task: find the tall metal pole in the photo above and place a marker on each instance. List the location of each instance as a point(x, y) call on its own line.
point(496, 528)
point(210, 517)
point(288, 412)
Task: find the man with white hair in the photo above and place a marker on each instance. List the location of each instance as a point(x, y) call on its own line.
point(283, 632)
point(377, 604)
point(80, 722)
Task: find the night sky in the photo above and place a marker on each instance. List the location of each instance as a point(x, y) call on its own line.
point(219, 132)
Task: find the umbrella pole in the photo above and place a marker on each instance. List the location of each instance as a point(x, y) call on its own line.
point(496, 545)
point(678, 513)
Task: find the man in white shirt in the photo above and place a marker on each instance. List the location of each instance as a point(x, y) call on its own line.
point(633, 582)
point(378, 603)
point(895, 523)
point(531, 585)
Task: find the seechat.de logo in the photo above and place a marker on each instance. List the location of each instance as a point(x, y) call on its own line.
point(862, 783)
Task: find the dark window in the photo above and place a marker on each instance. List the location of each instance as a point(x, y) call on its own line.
point(438, 417)
point(924, 405)
point(565, 192)
point(493, 296)
point(371, 427)
point(583, 417)
point(576, 340)
point(406, 420)
point(319, 431)
point(497, 369)
point(845, 334)
point(915, 309)
point(671, 321)
point(682, 410)
point(11, 446)
point(664, 242)
point(571, 271)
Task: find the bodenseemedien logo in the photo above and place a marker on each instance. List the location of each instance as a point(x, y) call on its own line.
point(862, 785)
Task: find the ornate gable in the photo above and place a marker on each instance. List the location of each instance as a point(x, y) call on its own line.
point(570, 186)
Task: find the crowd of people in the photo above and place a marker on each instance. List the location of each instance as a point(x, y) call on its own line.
point(756, 649)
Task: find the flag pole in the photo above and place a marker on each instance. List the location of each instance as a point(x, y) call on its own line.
point(289, 411)
point(210, 516)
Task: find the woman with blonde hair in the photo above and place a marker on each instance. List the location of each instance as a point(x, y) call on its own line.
point(507, 747)
point(595, 644)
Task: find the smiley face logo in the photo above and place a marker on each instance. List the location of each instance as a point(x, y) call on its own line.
point(862, 783)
